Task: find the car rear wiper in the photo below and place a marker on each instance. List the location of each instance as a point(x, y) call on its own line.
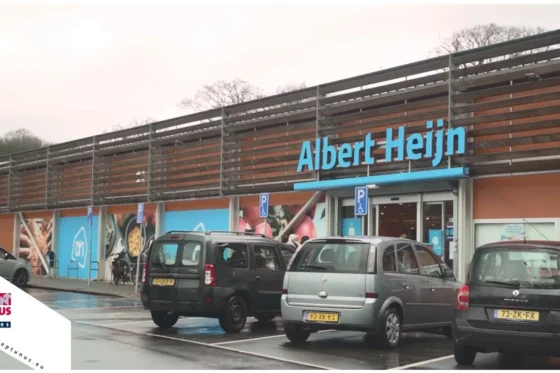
point(513, 284)
point(313, 267)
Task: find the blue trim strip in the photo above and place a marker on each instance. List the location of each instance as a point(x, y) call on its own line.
point(405, 177)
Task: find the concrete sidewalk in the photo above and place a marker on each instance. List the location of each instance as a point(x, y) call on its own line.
point(81, 286)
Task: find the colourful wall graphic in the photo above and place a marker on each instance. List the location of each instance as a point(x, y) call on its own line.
point(75, 240)
point(312, 224)
point(42, 231)
point(124, 236)
point(197, 220)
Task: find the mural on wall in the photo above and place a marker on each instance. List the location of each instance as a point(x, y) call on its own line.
point(75, 239)
point(42, 231)
point(197, 220)
point(124, 236)
point(312, 224)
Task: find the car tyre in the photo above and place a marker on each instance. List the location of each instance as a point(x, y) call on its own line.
point(164, 319)
point(21, 277)
point(234, 316)
point(464, 356)
point(296, 334)
point(390, 334)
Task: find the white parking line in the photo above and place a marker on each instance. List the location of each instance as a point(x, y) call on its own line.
point(259, 338)
point(53, 302)
point(95, 308)
point(209, 345)
point(145, 320)
point(420, 363)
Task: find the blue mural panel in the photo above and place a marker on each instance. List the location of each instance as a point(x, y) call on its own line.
point(197, 220)
point(73, 244)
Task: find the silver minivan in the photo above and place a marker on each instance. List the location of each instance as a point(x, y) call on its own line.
point(379, 285)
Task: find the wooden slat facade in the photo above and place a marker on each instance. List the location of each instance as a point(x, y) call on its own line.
point(509, 107)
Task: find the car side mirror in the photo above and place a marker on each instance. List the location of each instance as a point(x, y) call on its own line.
point(5, 256)
point(448, 273)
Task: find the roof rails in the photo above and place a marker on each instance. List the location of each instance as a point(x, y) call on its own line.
point(208, 233)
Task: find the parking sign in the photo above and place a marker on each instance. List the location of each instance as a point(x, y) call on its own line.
point(140, 213)
point(360, 201)
point(90, 215)
point(263, 205)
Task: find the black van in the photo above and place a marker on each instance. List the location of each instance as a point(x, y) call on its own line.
point(224, 275)
point(510, 302)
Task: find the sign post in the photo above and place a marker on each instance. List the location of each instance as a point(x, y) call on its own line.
point(264, 200)
point(140, 221)
point(361, 203)
point(90, 222)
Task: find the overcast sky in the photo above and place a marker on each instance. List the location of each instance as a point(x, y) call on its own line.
point(69, 72)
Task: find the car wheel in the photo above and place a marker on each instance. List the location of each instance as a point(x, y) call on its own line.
point(21, 277)
point(164, 319)
point(463, 355)
point(296, 334)
point(390, 334)
point(234, 316)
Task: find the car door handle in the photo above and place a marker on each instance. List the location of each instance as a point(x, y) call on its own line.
point(258, 278)
point(432, 289)
point(406, 286)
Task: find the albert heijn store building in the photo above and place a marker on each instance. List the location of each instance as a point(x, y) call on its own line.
point(456, 151)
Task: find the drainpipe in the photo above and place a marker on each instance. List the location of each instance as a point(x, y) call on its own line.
point(310, 203)
point(34, 243)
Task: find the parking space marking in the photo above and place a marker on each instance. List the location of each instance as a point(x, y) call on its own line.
point(144, 320)
point(259, 338)
point(208, 345)
point(55, 302)
point(420, 363)
point(94, 308)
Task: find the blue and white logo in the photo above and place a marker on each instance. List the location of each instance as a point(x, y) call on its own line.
point(360, 201)
point(79, 247)
point(263, 205)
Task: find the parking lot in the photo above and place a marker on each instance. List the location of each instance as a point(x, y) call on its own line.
point(117, 333)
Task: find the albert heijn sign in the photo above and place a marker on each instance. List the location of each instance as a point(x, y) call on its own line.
point(415, 146)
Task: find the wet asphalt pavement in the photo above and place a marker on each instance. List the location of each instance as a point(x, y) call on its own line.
point(117, 333)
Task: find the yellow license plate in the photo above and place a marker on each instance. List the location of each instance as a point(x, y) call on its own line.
point(322, 317)
point(164, 281)
point(516, 315)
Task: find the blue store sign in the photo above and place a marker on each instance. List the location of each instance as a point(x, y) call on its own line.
point(413, 147)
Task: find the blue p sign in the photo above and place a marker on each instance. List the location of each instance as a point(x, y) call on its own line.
point(263, 205)
point(360, 201)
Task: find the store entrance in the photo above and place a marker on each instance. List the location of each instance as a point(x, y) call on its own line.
point(398, 218)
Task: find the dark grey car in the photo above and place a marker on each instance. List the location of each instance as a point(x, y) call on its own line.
point(379, 285)
point(223, 275)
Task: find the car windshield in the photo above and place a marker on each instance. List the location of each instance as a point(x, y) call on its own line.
point(337, 257)
point(518, 268)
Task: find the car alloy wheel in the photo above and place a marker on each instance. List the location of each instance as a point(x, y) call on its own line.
point(392, 329)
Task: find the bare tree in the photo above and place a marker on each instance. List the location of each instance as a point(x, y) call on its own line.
point(290, 87)
point(222, 93)
point(485, 35)
point(20, 140)
point(134, 123)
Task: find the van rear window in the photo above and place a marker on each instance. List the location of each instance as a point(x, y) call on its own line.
point(180, 253)
point(518, 268)
point(338, 257)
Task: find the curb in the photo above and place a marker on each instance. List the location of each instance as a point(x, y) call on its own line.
point(78, 290)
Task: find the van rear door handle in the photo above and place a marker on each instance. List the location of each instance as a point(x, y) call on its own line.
point(258, 278)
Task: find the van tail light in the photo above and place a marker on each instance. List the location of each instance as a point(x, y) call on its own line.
point(145, 273)
point(371, 260)
point(209, 275)
point(284, 291)
point(463, 298)
point(372, 295)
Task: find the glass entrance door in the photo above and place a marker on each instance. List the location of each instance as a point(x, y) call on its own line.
point(397, 216)
point(437, 231)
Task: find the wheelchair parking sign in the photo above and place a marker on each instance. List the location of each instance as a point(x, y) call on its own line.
point(360, 201)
